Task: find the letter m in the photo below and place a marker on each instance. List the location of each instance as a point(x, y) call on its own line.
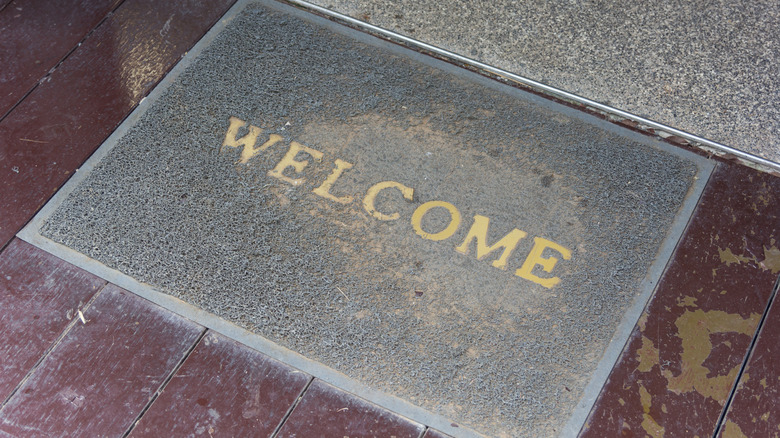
point(479, 231)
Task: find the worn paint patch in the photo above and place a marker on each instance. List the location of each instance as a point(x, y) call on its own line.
point(695, 328)
point(687, 301)
point(647, 356)
point(728, 257)
point(771, 260)
point(650, 426)
point(642, 321)
point(732, 430)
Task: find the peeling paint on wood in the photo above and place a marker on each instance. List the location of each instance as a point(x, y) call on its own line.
point(685, 353)
point(754, 410)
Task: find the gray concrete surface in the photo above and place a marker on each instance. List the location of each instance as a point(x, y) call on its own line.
point(710, 68)
point(378, 300)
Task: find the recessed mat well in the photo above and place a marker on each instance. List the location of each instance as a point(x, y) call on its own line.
point(455, 242)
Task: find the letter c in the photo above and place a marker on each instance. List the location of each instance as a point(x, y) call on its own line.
point(373, 191)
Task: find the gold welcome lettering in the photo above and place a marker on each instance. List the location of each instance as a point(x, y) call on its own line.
point(293, 163)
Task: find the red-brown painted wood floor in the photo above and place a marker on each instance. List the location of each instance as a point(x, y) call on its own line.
point(79, 357)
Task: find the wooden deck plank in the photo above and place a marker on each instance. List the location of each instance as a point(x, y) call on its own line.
point(224, 389)
point(57, 126)
point(37, 34)
point(755, 411)
point(102, 374)
point(39, 296)
point(683, 358)
point(327, 411)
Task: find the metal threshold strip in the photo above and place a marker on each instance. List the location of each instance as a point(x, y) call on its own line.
point(666, 131)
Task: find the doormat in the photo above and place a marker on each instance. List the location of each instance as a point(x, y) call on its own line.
point(463, 245)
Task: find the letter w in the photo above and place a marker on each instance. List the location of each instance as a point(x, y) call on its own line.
point(479, 231)
point(248, 141)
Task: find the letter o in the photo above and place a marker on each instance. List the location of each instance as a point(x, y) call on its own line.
point(443, 234)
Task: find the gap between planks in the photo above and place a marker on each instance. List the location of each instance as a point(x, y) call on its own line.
point(77, 317)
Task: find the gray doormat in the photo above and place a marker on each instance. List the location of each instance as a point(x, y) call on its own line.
point(455, 242)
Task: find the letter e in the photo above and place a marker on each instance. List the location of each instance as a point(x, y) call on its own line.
point(535, 258)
